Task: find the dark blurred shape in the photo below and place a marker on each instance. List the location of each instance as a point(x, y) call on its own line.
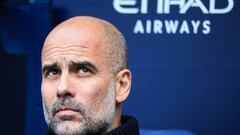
point(13, 93)
point(22, 29)
point(13, 3)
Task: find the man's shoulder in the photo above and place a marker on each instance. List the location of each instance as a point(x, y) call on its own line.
point(129, 126)
point(49, 132)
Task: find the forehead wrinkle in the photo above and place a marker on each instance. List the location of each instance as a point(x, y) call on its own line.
point(60, 49)
point(49, 46)
point(71, 50)
point(66, 46)
point(60, 62)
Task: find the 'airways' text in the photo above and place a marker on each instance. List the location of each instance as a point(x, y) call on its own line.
point(172, 27)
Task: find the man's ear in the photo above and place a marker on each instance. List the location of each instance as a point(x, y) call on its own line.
point(123, 85)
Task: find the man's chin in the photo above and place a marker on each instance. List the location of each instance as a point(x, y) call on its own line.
point(68, 127)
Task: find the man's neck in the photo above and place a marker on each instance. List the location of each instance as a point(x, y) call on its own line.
point(117, 118)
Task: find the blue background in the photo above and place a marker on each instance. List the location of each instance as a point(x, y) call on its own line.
point(180, 81)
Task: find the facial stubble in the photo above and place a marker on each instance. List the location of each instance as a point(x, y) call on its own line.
point(96, 119)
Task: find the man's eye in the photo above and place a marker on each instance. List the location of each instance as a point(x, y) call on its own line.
point(84, 70)
point(52, 72)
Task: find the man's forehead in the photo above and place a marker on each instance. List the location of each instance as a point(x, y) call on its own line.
point(71, 53)
point(73, 44)
point(52, 51)
point(74, 35)
point(70, 35)
point(80, 46)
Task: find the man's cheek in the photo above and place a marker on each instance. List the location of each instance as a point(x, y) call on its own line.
point(48, 94)
point(97, 95)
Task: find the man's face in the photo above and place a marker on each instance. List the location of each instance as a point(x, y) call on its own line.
point(78, 88)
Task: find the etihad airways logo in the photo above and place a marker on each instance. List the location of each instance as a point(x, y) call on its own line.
point(173, 25)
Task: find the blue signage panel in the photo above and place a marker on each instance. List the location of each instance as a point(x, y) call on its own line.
point(185, 59)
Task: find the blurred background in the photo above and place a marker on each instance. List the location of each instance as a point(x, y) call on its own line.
point(184, 55)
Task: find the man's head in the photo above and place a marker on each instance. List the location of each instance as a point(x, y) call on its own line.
point(85, 77)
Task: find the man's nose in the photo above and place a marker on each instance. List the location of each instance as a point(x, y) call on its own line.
point(64, 87)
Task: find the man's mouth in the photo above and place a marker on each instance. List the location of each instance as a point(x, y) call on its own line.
point(66, 111)
point(67, 114)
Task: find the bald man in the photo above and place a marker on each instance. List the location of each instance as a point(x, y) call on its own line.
point(85, 79)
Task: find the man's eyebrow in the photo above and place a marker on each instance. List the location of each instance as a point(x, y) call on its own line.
point(49, 66)
point(80, 64)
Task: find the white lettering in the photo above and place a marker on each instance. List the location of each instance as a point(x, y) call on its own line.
point(160, 6)
point(193, 3)
point(164, 6)
point(184, 28)
point(206, 27)
point(171, 26)
point(148, 26)
point(213, 9)
point(118, 5)
point(157, 26)
point(195, 25)
point(138, 27)
point(167, 4)
point(144, 6)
